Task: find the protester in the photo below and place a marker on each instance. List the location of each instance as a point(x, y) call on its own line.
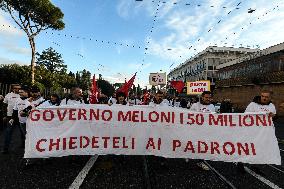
point(262, 104)
point(112, 99)
point(10, 100)
point(18, 118)
point(226, 106)
point(54, 101)
point(203, 106)
point(103, 99)
point(183, 103)
point(134, 100)
point(121, 98)
point(175, 102)
point(76, 97)
point(190, 102)
point(146, 98)
point(159, 100)
point(35, 97)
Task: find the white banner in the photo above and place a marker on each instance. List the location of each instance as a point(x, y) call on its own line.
point(158, 79)
point(143, 130)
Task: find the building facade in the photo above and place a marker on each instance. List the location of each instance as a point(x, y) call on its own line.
point(242, 79)
point(203, 65)
point(264, 61)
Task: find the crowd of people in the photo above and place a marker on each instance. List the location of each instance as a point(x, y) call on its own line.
point(15, 106)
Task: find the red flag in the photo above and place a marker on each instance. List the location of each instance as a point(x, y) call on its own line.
point(93, 97)
point(126, 86)
point(178, 85)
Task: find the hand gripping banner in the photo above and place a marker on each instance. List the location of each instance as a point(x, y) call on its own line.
point(145, 130)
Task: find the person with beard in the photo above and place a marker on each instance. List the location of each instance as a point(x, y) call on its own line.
point(159, 100)
point(76, 97)
point(205, 106)
point(18, 118)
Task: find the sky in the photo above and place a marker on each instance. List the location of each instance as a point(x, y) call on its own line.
point(117, 38)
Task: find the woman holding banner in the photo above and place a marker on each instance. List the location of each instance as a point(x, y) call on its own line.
point(120, 99)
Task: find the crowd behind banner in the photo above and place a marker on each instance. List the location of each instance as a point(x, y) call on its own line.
point(16, 105)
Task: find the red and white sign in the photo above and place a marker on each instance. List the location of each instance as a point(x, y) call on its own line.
point(143, 130)
point(197, 87)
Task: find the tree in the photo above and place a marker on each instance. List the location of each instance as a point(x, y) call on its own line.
point(51, 60)
point(106, 87)
point(34, 16)
point(14, 73)
point(83, 79)
point(117, 85)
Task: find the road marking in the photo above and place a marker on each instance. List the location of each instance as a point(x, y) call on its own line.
point(262, 179)
point(82, 175)
point(276, 168)
point(221, 176)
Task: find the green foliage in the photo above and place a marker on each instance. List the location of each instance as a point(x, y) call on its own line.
point(106, 87)
point(34, 16)
point(40, 86)
point(14, 73)
point(42, 13)
point(51, 60)
point(83, 79)
point(117, 85)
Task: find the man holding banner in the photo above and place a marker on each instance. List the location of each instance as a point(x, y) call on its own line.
point(152, 130)
point(159, 100)
point(203, 106)
point(76, 97)
point(262, 105)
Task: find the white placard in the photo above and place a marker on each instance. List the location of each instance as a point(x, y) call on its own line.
point(158, 79)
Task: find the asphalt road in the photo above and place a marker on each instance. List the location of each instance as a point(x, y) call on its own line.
point(113, 171)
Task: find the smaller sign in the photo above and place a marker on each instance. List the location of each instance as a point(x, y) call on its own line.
point(158, 79)
point(198, 87)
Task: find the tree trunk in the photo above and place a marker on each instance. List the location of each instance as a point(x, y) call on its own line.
point(32, 44)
